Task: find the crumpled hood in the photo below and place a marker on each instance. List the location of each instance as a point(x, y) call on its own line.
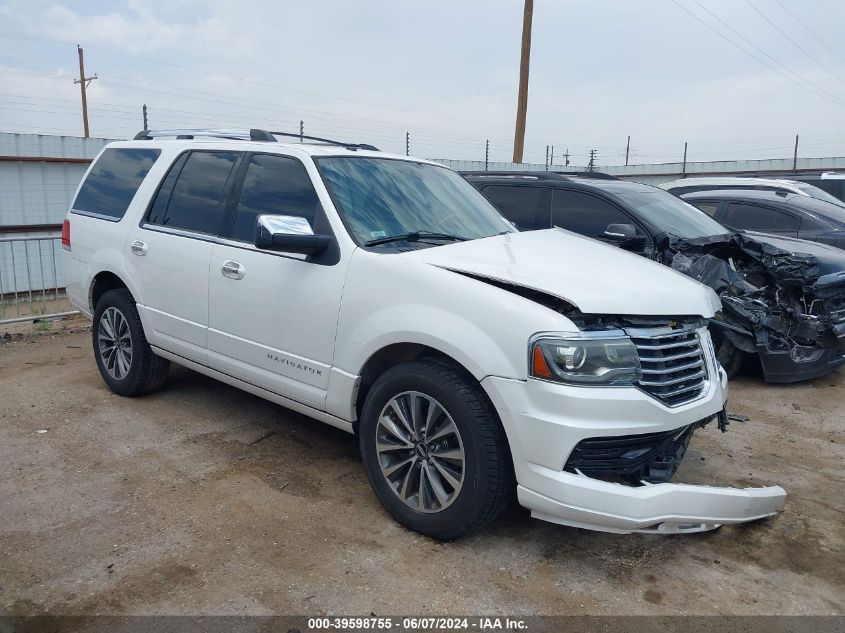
point(596, 278)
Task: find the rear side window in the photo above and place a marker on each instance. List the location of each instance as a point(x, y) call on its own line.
point(521, 205)
point(585, 214)
point(191, 196)
point(754, 217)
point(113, 180)
point(273, 185)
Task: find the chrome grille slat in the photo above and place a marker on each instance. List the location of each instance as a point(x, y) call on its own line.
point(672, 381)
point(666, 346)
point(666, 359)
point(698, 363)
point(673, 365)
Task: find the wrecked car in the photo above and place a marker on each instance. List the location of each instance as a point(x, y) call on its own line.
point(383, 295)
point(783, 298)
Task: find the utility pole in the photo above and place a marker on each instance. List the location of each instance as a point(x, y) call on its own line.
point(144, 112)
point(547, 158)
point(407, 143)
point(522, 99)
point(591, 166)
point(552, 157)
point(486, 154)
point(627, 149)
point(684, 169)
point(795, 156)
point(83, 82)
point(301, 129)
point(566, 158)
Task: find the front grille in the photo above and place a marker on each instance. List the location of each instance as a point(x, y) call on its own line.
point(673, 365)
point(651, 457)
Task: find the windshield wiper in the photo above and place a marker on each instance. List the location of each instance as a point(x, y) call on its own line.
point(415, 236)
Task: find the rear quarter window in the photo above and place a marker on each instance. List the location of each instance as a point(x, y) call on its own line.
point(113, 181)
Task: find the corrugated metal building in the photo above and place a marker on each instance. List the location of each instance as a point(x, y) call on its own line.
point(38, 177)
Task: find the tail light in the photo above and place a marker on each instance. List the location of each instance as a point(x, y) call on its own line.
point(66, 235)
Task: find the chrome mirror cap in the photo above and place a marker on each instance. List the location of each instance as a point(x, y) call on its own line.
point(284, 225)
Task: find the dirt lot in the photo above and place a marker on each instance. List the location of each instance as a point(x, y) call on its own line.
point(204, 499)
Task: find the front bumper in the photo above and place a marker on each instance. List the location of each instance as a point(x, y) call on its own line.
point(545, 421)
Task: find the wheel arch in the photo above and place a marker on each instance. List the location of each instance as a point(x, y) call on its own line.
point(101, 283)
point(391, 356)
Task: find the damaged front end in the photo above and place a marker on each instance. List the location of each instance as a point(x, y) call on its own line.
point(782, 298)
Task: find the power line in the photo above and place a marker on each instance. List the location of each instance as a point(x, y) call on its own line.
point(810, 31)
point(752, 44)
point(258, 82)
point(830, 98)
point(794, 43)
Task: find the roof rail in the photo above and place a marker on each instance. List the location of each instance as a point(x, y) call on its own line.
point(253, 134)
point(598, 175)
point(536, 175)
point(234, 135)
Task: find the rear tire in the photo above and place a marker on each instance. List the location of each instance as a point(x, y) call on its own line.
point(434, 450)
point(125, 360)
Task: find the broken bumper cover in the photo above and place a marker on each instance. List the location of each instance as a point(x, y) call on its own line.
point(545, 423)
point(780, 365)
point(662, 508)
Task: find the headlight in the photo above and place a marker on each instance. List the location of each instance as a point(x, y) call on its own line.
point(597, 362)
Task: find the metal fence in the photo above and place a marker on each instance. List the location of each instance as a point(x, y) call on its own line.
point(31, 282)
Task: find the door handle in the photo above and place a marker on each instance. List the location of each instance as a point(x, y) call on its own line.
point(232, 269)
point(138, 248)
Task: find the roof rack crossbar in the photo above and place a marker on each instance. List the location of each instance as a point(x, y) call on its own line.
point(537, 175)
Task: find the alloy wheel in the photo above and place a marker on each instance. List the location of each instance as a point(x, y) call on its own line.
point(420, 452)
point(115, 343)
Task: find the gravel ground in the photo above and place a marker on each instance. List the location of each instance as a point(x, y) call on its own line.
point(203, 499)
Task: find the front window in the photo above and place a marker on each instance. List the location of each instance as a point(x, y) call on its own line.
point(380, 198)
point(671, 214)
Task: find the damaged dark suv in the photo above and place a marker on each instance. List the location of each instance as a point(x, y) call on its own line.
point(783, 298)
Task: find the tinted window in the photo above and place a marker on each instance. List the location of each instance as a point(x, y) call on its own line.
point(521, 205)
point(273, 185)
point(584, 214)
point(750, 216)
point(195, 202)
point(787, 221)
point(667, 213)
point(709, 208)
point(113, 181)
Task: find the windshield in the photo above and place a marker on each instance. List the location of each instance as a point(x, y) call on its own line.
point(820, 194)
point(383, 197)
point(670, 214)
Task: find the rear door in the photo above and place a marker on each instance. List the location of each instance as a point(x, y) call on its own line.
point(750, 216)
point(169, 252)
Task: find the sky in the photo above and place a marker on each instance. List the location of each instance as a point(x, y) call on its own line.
point(732, 78)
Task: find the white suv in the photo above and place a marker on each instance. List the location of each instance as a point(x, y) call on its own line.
point(385, 296)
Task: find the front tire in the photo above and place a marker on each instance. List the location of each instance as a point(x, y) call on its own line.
point(125, 360)
point(730, 357)
point(434, 450)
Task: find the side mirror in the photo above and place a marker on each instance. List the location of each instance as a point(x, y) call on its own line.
point(288, 234)
point(624, 234)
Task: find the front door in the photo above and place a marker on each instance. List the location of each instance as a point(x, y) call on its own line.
point(272, 316)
